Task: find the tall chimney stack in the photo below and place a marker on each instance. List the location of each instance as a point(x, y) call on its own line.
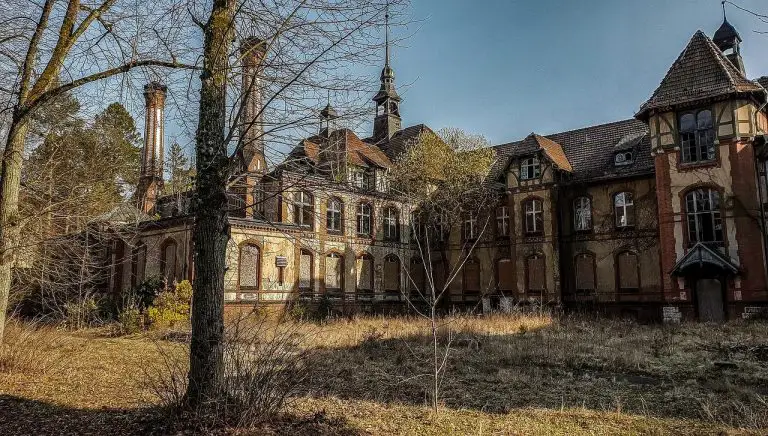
point(151, 178)
point(252, 51)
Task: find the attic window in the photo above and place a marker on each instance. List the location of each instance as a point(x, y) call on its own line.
point(530, 169)
point(623, 158)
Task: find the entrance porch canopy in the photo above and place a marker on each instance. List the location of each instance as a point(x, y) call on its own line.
point(703, 258)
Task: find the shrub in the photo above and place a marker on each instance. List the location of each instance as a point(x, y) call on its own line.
point(130, 318)
point(266, 365)
point(171, 306)
point(81, 313)
point(147, 290)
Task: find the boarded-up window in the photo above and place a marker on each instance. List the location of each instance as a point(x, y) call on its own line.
point(536, 273)
point(416, 281)
point(305, 270)
point(585, 272)
point(334, 272)
point(391, 274)
point(471, 277)
point(629, 277)
point(138, 264)
point(365, 273)
point(506, 275)
point(248, 267)
point(438, 275)
point(168, 263)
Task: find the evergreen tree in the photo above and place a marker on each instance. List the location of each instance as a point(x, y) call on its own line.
point(179, 171)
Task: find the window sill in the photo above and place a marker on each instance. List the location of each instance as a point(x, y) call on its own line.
point(684, 166)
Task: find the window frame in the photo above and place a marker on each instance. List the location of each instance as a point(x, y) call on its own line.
point(502, 221)
point(530, 168)
point(535, 231)
point(532, 292)
point(624, 207)
point(699, 146)
point(342, 273)
point(469, 226)
point(303, 208)
point(715, 212)
point(360, 215)
point(338, 217)
point(390, 221)
point(579, 202)
point(240, 248)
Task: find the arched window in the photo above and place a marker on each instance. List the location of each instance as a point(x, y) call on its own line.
point(697, 136)
point(505, 276)
point(628, 272)
point(534, 217)
point(582, 214)
point(364, 219)
point(334, 273)
point(530, 168)
point(502, 221)
point(584, 270)
point(470, 226)
point(306, 267)
point(624, 208)
point(391, 224)
point(417, 279)
point(471, 277)
point(703, 213)
point(138, 263)
point(392, 274)
point(168, 260)
point(365, 274)
point(303, 209)
point(259, 208)
point(536, 279)
point(334, 212)
point(249, 268)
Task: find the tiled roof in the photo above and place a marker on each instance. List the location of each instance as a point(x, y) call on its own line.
point(400, 141)
point(363, 154)
point(554, 151)
point(700, 72)
point(590, 150)
point(763, 81)
point(358, 152)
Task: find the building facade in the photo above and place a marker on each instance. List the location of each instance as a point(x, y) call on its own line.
point(660, 216)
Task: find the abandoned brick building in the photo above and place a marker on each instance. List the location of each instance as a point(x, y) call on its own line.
point(659, 216)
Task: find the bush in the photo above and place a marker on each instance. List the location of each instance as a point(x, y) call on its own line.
point(129, 318)
point(171, 306)
point(266, 365)
point(81, 313)
point(147, 290)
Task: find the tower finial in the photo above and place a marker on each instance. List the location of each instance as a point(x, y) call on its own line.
point(386, 34)
point(723, 3)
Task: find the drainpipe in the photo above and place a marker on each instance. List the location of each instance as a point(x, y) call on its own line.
point(760, 188)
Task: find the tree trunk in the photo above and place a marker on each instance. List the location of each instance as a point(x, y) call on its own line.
point(211, 231)
point(9, 212)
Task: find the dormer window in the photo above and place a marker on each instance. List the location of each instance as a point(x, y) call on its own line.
point(530, 169)
point(697, 136)
point(623, 158)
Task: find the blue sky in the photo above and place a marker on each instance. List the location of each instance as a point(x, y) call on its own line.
point(505, 68)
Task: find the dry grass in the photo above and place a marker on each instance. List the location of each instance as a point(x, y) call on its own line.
point(507, 375)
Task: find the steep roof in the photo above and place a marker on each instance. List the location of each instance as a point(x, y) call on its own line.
point(364, 154)
point(307, 152)
point(400, 141)
point(554, 151)
point(589, 151)
point(700, 72)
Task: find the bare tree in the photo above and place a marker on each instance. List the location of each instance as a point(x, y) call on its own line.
point(50, 48)
point(445, 177)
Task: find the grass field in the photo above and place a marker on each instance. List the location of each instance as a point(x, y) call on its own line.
point(506, 375)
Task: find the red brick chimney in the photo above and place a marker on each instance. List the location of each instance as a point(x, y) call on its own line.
point(151, 178)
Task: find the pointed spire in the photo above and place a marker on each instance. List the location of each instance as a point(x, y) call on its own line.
point(386, 35)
